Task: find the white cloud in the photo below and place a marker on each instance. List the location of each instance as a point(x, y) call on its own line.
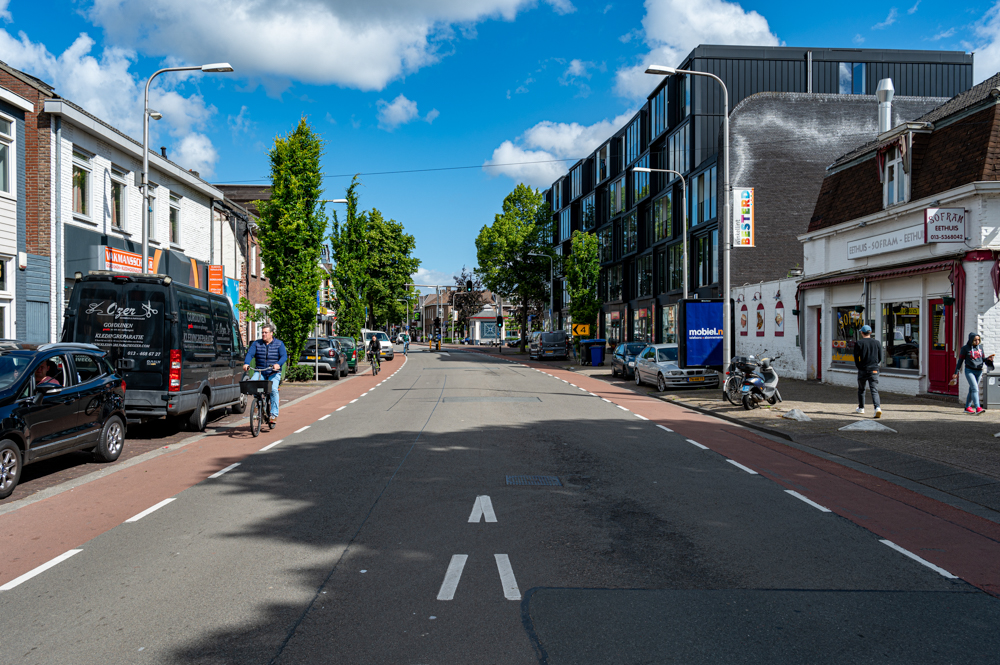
point(889, 20)
point(431, 115)
point(5, 12)
point(858, 39)
point(104, 85)
point(399, 112)
point(532, 157)
point(196, 152)
point(577, 68)
point(673, 27)
point(342, 42)
point(240, 123)
point(945, 34)
point(913, 9)
point(987, 47)
point(428, 276)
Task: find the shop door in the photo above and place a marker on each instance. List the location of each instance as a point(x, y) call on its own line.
point(941, 355)
point(819, 343)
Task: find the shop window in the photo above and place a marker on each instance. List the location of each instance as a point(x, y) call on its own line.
point(81, 184)
point(613, 326)
point(669, 324)
point(901, 335)
point(640, 326)
point(894, 178)
point(847, 325)
point(588, 212)
point(7, 152)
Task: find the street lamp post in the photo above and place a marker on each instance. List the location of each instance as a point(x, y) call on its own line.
point(684, 217)
point(218, 67)
point(551, 289)
point(724, 217)
point(316, 327)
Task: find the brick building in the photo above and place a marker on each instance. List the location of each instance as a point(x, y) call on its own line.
point(905, 236)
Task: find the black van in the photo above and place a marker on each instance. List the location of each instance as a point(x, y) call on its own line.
point(178, 347)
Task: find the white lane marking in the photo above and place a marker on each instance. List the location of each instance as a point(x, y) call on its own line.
point(301, 429)
point(574, 385)
point(604, 400)
point(149, 510)
point(740, 466)
point(38, 571)
point(452, 576)
point(564, 380)
point(913, 556)
point(640, 417)
point(228, 468)
point(667, 429)
point(483, 507)
point(591, 394)
point(362, 395)
point(342, 408)
point(811, 503)
point(695, 443)
point(621, 407)
point(270, 445)
point(352, 401)
point(510, 590)
point(445, 353)
point(326, 416)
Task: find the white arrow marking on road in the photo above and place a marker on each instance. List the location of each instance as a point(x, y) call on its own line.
point(228, 468)
point(482, 507)
point(149, 510)
point(510, 590)
point(452, 576)
point(38, 571)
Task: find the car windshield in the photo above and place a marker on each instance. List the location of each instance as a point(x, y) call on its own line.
point(346, 342)
point(323, 344)
point(382, 337)
point(634, 349)
point(11, 367)
point(553, 337)
point(667, 355)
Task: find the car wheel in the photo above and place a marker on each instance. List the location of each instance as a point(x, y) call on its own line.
point(344, 371)
point(199, 417)
point(614, 371)
point(10, 467)
point(661, 383)
point(638, 379)
point(112, 440)
point(240, 406)
point(336, 374)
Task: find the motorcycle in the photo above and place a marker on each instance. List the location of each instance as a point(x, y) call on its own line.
point(739, 367)
point(761, 385)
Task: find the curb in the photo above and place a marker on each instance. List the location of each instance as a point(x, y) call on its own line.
point(736, 421)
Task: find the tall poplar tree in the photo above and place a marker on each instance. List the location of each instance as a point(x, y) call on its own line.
point(291, 228)
point(389, 266)
point(349, 252)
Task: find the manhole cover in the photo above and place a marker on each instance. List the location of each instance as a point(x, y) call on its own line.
point(533, 480)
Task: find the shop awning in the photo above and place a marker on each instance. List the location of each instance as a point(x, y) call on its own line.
point(891, 273)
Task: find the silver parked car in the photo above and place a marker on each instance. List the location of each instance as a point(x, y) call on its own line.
point(657, 364)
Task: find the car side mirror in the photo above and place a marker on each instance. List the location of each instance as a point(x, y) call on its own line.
point(46, 389)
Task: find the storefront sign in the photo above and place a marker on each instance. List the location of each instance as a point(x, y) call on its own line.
point(944, 225)
point(641, 313)
point(216, 277)
point(744, 320)
point(892, 241)
point(760, 319)
point(118, 260)
point(701, 334)
point(743, 207)
point(615, 316)
point(779, 320)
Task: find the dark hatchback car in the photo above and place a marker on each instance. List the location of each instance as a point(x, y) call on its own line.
point(56, 399)
point(331, 358)
point(623, 359)
point(349, 346)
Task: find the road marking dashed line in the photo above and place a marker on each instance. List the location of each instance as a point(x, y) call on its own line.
point(39, 570)
point(695, 443)
point(913, 556)
point(740, 466)
point(342, 408)
point(326, 416)
point(301, 429)
point(270, 445)
point(149, 510)
point(510, 590)
point(452, 577)
point(667, 429)
point(809, 501)
point(221, 472)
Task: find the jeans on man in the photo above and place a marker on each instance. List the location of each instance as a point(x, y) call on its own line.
point(871, 379)
point(972, 376)
point(275, 379)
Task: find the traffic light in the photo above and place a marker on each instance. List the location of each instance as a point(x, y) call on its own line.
point(468, 285)
point(499, 321)
point(437, 323)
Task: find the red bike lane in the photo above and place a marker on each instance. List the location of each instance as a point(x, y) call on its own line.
point(38, 532)
point(963, 544)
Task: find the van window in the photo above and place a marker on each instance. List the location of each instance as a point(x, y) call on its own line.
point(197, 335)
point(554, 337)
point(221, 313)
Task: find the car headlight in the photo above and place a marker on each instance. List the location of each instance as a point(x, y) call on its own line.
point(631, 363)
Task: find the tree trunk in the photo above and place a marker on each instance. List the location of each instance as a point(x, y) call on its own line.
point(524, 322)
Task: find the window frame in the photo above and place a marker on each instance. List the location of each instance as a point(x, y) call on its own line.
point(900, 178)
point(174, 236)
point(82, 161)
point(10, 141)
point(119, 178)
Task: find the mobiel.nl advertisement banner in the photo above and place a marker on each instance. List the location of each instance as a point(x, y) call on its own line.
point(702, 333)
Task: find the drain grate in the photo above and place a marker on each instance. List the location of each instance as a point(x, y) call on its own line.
point(533, 480)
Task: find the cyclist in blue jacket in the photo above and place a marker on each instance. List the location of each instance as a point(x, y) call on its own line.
point(271, 355)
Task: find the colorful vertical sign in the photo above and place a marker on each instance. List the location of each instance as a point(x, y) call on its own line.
point(779, 320)
point(760, 319)
point(216, 279)
point(743, 207)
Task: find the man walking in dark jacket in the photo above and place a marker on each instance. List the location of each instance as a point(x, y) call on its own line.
point(868, 358)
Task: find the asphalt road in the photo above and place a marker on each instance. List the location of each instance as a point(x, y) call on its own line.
point(368, 538)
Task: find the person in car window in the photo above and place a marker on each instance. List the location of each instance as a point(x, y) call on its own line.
point(42, 374)
point(270, 354)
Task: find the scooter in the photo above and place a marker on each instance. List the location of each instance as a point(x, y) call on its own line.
point(761, 385)
point(739, 368)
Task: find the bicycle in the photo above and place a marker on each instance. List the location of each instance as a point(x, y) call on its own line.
point(260, 407)
point(376, 365)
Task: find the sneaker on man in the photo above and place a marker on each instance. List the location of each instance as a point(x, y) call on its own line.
point(859, 410)
point(969, 409)
point(878, 412)
point(980, 410)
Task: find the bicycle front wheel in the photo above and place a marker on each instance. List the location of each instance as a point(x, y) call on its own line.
point(256, 416)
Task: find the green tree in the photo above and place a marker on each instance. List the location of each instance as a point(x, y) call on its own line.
point(291, 228)
point(349, 254)
point(389, 266)
point(582, 269)
point(467, 303)
point(504, 250)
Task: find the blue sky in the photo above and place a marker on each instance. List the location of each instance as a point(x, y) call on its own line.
point(397, 85)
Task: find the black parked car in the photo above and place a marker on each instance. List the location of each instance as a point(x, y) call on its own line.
point(332, 359)
point(623, 359)
point(549, 345)
point(55, 399)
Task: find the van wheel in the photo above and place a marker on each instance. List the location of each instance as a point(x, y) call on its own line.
point(10, 467)
point(336, 374)
point(112, 440)
point(199, 417)
point(240, 406)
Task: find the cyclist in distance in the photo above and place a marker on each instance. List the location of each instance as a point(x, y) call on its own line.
point(271, 355)
point(374, 350)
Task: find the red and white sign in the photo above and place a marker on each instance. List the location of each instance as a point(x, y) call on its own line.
point(779, 320)
point(744, 320)
point(944, 225)
point(216, 279)
point(118, 260)
point(760, 319)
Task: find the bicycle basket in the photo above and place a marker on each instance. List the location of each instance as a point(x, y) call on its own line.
point(255, 387)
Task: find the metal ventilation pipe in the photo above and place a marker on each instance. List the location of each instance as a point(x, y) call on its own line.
point(884, 93)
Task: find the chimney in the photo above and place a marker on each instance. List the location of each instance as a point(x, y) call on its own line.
point(884, 93)
point(163, 151)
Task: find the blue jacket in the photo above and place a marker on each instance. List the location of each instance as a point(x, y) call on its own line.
point(267, 354)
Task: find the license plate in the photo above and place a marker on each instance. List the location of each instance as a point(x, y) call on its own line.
point(312, 357)
point(746, 389)
point(696, 378)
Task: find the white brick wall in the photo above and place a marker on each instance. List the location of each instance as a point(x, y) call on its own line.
point(791, 364)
